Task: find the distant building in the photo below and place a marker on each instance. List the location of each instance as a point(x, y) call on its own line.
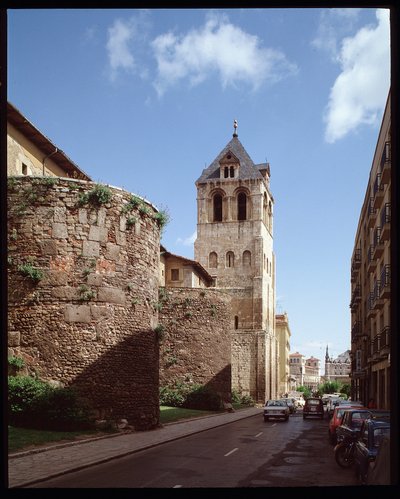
point(180, 272)
point(283, 335)
point(304, 372)
point(337, 369)
point(370, 280)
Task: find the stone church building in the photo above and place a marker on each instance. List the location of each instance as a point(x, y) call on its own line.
point(235, 245)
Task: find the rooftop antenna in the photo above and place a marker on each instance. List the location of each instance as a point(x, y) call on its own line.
point(235, 125)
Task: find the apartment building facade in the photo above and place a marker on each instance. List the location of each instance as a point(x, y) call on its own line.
point(370, 280)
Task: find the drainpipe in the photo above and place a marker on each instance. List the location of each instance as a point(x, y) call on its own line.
point(46, 157)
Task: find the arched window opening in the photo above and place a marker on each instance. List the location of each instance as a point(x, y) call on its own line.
point(236, 322)
point(217, 208)
point(270, 215)
point(230, 259)
point(213, 260)
point(226, 172)
point(242, 206)
point(232, 172)
point(246, 258)
point(265, 208)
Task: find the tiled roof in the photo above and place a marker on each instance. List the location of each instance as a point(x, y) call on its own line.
point(247, 168)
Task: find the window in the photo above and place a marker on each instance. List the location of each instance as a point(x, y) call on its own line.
point(226, 172)
point(217, 208)
point(230, 259)
point(174, 274)
point(24, 169)
point(246, 258)
point(236, 322)
point(242, 205)
point(232, 172)
point(213, 260)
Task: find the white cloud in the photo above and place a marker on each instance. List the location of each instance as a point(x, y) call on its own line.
point(188, 241)
point(333, 25)
point(359, 93)
point(123, 35)
point(217, 47)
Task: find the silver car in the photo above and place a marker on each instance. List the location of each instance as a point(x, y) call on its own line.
point(276, 409)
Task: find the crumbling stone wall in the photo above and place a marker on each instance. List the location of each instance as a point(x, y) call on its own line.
point(88, 319)
point(196, 345)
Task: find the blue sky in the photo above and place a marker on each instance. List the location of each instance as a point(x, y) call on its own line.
point(145, 99)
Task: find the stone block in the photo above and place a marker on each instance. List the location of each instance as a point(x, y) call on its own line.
point(101, 217)
point(14, 339)
point(111, 295)
point(67, 293)
point(94, 279)
point(59, 230)
point(100, 311)
point(97, 233)
point(112, 251)
point(82, 216)
point(90, 248)
point(59, 214)
point(55, 278)
point(77, 313)
point(48, 247)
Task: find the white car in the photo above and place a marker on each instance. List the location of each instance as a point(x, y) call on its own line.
point(276, 409)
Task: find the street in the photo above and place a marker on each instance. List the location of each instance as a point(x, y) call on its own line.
point(247, 453)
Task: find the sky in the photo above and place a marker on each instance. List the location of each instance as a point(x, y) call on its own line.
point(145, 100)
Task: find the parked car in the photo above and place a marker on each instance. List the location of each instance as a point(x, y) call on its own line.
point(336, 420)
point(373, 431)
point(276, 409)
point(313, 407)
point(379, 470)
point(351, 423)
point(330, 405)
point(291, 403)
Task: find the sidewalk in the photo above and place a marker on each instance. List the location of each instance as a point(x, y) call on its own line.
point(27, 468)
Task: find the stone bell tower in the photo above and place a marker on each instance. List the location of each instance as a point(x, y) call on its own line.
point(235, 244)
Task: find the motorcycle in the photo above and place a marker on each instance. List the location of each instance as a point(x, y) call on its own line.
point(344, 451)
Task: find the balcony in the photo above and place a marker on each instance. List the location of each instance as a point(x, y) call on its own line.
point(371, 260)
point(355, 265)
point(355, 297)
point(372, 213)
point(384, 290)
point(356, 330)
point(379, 245)
point(386, 163)
point(385, 222)
point(378, 300)
point(371, 310)
point(384, 346)
point(378, 192)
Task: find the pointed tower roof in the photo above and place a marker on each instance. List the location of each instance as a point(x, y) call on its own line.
point(247, 169)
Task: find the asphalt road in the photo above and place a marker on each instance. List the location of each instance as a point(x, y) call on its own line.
point(247, 453)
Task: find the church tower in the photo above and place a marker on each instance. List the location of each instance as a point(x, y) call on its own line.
point(235, 245)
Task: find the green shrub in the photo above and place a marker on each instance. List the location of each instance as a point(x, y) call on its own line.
point(162, 217)
point(16, 362)
point(190, 396)
point(35, 404)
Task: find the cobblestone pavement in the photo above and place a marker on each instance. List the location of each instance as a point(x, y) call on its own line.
point(29, 467)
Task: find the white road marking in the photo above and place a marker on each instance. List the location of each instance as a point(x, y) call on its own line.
point(259, 434)
point(177, 487)
point(231, 452)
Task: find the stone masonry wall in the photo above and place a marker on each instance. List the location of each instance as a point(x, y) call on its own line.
point(89, 321)
point(197, 338)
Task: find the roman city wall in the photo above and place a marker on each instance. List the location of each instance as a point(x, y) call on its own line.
point(83, 263)
point(196, 345)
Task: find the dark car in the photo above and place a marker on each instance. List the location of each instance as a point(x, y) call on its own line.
point(336, 420)
point(373, 431)
point(351, 423)
point(313, 407)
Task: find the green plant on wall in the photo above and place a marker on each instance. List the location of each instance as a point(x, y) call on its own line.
point(28, 270)
point(99, 195)
point(85, 293)
point(134, 202)
point(16, 363)
point(130, 221)
point(160, 331)
point(162, 218)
